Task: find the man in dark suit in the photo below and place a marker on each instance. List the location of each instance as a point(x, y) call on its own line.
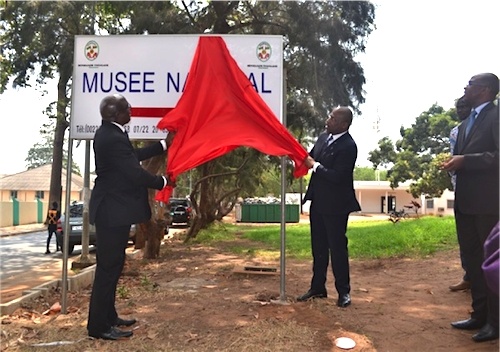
point(119, 199)
point(332, 197)
point(475, 162)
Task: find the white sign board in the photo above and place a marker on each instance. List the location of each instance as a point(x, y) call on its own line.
point(151, 70)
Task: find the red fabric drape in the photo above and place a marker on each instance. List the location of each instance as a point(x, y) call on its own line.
point(219, 111)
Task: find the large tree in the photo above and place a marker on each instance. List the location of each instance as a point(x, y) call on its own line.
point(37, 40)
point(321, 40)
point(418, 155)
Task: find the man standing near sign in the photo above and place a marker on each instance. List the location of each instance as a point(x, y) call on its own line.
point(119, 199)
point(332, 197)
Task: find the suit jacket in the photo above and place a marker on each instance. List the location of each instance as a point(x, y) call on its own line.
point(477, 181)
point(121, 184)
point(331, 189)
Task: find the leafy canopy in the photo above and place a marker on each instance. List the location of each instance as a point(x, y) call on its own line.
point(418, 155)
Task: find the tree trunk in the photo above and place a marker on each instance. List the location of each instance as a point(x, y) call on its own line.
point(55, 192)
point(150, 233)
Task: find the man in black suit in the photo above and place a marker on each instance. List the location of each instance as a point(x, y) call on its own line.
point(475, 162)
point(332, 197)
point(119, 199)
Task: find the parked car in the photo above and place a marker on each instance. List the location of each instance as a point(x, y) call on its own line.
point(76, 228)
point(181, 211)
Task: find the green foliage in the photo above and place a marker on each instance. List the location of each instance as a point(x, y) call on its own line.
point(321, 40)
point(38, 40)
point(122, 292)
point(216, 232)
point(367, 239)
point(385, 154)
point(369, 174)
point(42, 152)
point(418, 154)
point(147, 284)
point(433, 180)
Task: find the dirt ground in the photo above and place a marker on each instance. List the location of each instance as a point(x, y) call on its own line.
point(193, 300)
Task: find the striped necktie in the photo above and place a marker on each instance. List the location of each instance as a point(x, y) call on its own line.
point(329, 140)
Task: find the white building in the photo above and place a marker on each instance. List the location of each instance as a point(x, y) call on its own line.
point(379, 198)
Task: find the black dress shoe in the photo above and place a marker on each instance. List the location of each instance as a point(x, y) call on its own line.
point(112, 334)
point(312, 294)
point(344, 300)
point(468, 324)
point(486, 333)
point(125, 322)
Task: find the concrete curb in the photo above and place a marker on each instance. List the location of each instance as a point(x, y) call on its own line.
point(76, 282)
point(11, 231)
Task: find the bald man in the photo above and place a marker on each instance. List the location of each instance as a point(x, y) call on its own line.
point(332, 197)
point(119, 199)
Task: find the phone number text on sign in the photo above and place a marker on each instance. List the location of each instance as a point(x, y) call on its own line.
point(145, 127)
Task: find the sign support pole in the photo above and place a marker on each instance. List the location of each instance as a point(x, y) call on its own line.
point(64, 281)
point(283, 204)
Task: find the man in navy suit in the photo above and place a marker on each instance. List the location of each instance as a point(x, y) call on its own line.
point(119, 199)
point(475, 162)
point(332, 197)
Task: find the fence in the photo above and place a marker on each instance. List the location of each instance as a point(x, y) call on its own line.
point(14, 212)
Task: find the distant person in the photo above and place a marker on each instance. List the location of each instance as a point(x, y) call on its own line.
point(119, 199)
point(463, 111)
point(53, 215)
point(332, 197)
point(475, 162)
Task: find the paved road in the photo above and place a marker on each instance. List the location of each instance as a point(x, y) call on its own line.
point(24, 265)
point(26, 252)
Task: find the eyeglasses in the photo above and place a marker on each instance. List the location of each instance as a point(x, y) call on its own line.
point(471, 83)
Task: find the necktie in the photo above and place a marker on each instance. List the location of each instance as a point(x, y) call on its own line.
point(470, 122)
point(329, 140)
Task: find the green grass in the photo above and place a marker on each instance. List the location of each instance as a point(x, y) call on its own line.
point(367, 239)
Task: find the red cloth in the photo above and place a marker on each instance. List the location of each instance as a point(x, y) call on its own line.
point(220, 111)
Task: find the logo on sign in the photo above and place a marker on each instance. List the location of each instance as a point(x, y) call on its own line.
point(264, 51)
point(91, 50)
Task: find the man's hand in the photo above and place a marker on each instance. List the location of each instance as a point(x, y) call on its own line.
point(170, 182)
point(170, 138)
point(309, 161)
point(454, 163)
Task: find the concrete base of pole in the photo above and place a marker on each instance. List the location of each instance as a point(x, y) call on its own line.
point(82, 262)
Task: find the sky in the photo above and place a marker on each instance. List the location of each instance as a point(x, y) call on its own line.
point(421, 53)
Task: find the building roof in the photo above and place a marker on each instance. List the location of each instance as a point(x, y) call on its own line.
point(38, 179)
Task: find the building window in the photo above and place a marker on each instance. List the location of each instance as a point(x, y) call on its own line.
point(450, 203)
point(429, 203)
point(39, 195)
point(13, 194)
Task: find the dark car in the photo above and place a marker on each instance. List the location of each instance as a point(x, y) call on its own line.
point(75, 228)
point(181, 211)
